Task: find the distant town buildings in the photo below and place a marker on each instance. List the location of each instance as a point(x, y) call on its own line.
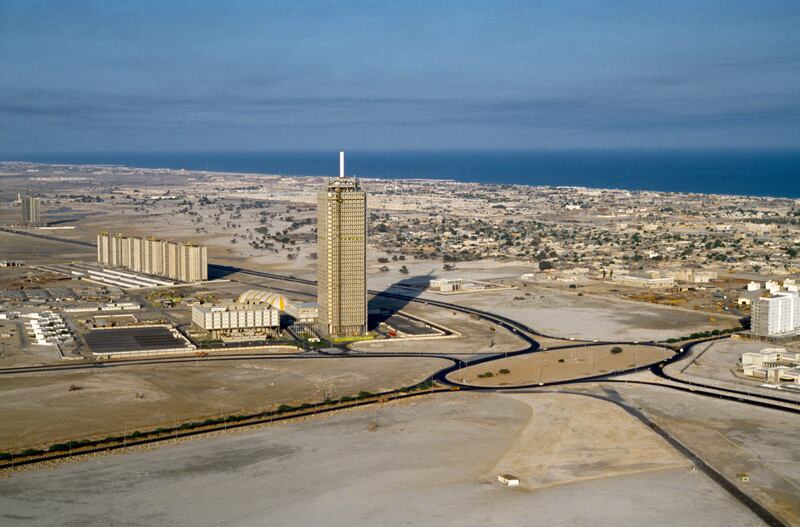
point(30, 210)
point(692, 275)
point(342, 256)
point(186, 262)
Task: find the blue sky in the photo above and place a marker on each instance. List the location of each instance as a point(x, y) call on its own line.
point(296, 75)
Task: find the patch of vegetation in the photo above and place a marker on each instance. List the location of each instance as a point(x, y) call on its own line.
point(284, 408)
point(705, 334)
point(616, 349)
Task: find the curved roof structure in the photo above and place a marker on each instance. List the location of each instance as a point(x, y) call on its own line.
point(257, 296)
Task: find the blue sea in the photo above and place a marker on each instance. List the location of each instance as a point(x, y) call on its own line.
point(756, 173)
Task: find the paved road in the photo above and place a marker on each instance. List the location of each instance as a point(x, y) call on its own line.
point(523, 331)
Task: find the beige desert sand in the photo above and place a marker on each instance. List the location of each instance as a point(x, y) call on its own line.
point(559, 365)
point(572, 438)
point(46, 408)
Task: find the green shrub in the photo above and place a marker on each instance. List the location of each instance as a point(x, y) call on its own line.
point(504, 371)
point(616, 349)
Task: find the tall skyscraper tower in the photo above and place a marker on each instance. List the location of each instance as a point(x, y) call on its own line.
point(30, 210)
point(342, 256)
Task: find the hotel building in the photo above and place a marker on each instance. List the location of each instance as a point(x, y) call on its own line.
point(342, 256)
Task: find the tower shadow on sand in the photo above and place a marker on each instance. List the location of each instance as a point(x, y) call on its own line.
point(382, 306)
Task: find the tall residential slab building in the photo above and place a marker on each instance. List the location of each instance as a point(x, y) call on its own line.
point(342, 256)
point(776, 315)
point(30, 210)
point(180, 261)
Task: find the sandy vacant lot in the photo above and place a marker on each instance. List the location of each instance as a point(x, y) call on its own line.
point(560, 313)
point(46, 408)
point(565, 314)
point(559, 365)
point(572, 438)
point(410, 463)
point(733, 438)
point(37, 251)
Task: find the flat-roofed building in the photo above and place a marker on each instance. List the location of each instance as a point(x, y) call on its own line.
point(233, 318)
point(303, 312)
point(30, 210)
point(776, 314)
point(192, 263)
point(447, 285)
point(103, 248)
point(775, 365)
point(646, 280)
point(185, 261)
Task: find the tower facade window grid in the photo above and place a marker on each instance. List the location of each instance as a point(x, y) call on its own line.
point(342, 255)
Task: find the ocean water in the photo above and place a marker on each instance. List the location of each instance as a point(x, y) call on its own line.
point(756, 173)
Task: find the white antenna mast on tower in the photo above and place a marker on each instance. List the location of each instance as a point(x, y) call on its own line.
point(341, 164)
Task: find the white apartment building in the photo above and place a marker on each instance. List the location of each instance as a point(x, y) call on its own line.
point(776, 314)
